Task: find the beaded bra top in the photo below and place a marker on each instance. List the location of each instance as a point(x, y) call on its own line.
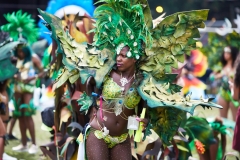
point(112, 94)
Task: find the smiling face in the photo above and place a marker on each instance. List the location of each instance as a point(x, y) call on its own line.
point(123, 62)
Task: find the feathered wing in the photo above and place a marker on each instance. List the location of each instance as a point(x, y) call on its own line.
point(172, 38)
point(79, 59)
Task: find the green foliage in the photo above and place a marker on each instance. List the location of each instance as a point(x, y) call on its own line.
point(214, 50)
point(233, 39)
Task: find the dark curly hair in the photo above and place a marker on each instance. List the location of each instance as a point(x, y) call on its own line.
point(237, 76)
point(27, 51)
point(234, 54)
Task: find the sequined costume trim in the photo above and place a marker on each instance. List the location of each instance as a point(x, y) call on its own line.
point(111, 141)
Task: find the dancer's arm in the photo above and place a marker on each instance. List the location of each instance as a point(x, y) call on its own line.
point(37, 63)
point(235, 90)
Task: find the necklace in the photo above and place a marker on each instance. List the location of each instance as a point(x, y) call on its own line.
point(125, 81)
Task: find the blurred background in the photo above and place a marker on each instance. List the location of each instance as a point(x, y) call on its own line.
point(219, 9)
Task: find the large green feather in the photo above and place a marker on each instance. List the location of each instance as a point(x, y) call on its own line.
point(21, 23)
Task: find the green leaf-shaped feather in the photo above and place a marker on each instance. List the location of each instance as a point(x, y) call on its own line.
point(85, 101)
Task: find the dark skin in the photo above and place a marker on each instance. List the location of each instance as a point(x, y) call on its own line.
point(97, 148)
point(36, 62)
point(76, 90)
point(3, 126)
point(227, 70)
point(118, 126)
point(24, 98)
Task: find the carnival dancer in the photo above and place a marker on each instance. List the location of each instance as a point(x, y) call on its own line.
point(21, 27)
point(225, 99)
point(131, 63)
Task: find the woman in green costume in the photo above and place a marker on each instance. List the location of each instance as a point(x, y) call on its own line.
point(131, 63)
point(120, 100)
point(21, 27)
point(27, 64)
point(225, 99)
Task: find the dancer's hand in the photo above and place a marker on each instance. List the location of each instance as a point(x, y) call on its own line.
point(42, 74)
point(3, 98)
point(26, 81)
point(17, 77)
point(144, 122)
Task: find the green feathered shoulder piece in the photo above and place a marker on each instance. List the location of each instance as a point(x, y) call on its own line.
point(21, 24)
point(79, 59)
point(120, 23)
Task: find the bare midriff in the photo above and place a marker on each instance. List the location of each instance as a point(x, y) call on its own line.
point(115, 124)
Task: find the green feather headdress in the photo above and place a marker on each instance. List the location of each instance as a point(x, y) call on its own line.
point(21, 25)
point(119, 24)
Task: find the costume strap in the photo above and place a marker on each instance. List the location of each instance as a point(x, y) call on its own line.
point(101, 108)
